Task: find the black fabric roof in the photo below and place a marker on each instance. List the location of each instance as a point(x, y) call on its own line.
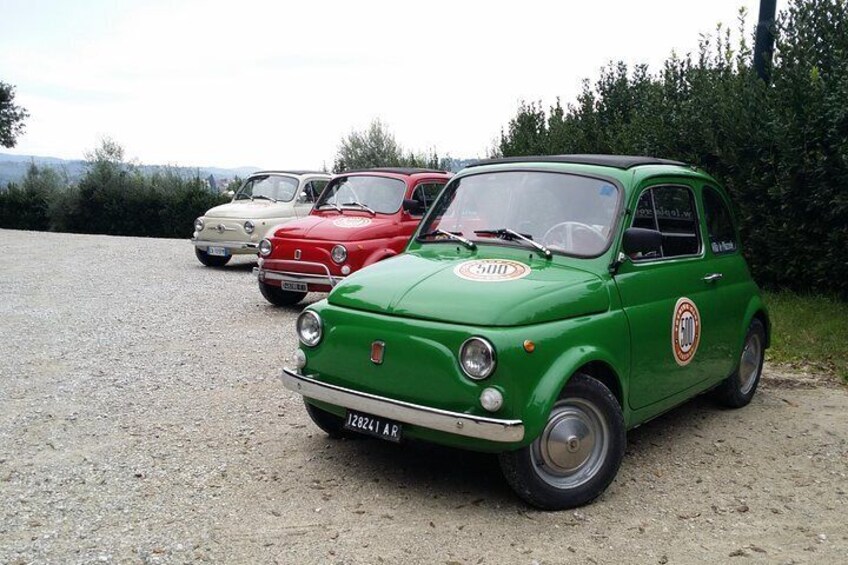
point(292, 172)
point(395, 170)
point(616, 161)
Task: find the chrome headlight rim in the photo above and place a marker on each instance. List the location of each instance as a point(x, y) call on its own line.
point(199, 224)
point(249, 227)
point(319, 332)
point(492, 356)
point(341, 250)
point(265, 247)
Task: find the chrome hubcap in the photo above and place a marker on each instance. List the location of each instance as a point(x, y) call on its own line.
point(573, 445)
point(749, 364)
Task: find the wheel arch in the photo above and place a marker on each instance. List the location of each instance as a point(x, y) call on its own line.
point(592, 361)
point(756, 310)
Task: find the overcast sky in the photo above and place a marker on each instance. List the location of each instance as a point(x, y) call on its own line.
point(278, 84)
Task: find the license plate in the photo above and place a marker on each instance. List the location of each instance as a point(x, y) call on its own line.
point(295, 286)
point(217, 251)
point(382, 428)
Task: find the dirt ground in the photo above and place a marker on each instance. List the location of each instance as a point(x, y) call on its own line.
point(141, 420)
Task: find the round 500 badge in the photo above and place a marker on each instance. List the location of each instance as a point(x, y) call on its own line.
point(491, 270)
point(685, 331)
point(352, 222)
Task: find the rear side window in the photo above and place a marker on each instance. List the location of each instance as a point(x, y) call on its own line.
point(719, 223)
point(671, 211)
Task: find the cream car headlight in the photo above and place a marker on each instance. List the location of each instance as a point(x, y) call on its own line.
point(249, 226)
point(477, 358)
point(265, 247)
point(310, 330)
point(339, 254)
point(198, 224)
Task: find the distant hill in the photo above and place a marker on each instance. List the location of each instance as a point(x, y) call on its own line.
point(14, 167)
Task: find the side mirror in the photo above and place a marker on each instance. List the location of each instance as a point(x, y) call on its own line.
point(302, 196)
point(229, 193)
point(412, 206)
point(641, 240)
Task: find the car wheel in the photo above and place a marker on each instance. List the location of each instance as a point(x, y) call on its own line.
point(211, 260)
point(279, 297)
point(738, 389)
point(331, 424)
point(578, 453)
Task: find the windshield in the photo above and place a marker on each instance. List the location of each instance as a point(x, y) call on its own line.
point(268, 187)
point(380, 194)
point(563, 212)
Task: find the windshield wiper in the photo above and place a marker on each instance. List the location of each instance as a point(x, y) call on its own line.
point(330, 205)
point(512, 235)
point(262, 196)
point(360, 205)
point(451, 235)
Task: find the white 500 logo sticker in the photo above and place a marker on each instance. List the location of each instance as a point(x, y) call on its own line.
point(685, 331)
point(352, 222)
point(491, 270)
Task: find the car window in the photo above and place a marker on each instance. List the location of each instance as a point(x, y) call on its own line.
point(312, 190)
point(567, 213)
point(384, 195)
point(425, 193)
point(671, 211)
point(719, 223)
point(271, 187)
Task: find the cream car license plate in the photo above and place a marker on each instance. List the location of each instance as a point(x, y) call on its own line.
point(294, 286)
point(217, 251)
point(382, 428)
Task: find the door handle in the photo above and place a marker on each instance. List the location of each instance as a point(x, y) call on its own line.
point(713, 277)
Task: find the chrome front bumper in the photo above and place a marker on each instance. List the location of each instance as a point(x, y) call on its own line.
point(309, 278)
point(227, 244)
point(479, 427)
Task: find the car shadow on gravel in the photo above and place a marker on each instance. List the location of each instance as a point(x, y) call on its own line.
point(467, 479)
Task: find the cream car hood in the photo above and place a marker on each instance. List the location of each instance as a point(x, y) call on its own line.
point(252, 209)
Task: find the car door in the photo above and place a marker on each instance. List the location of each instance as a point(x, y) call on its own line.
point(424, 192)
point(665, 298)
point(307, 195)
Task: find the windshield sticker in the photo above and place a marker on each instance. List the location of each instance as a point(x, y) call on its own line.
point(352, 222)
point(491, 270)
point(685, 331)
point(607, 190)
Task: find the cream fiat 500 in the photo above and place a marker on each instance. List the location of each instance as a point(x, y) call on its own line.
point(266, 199)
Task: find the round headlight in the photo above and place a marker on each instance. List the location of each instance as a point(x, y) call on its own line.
point(249, 226)
point(309, 328)
point(265, 247)
point(198, 224)
point(477, 358)
point(339, 254)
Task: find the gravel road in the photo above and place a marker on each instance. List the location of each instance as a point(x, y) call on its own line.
point(141, 420)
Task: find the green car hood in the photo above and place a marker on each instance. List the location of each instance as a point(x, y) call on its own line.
point(425, 285)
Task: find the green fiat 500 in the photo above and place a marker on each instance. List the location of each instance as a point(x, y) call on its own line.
point(544, 306)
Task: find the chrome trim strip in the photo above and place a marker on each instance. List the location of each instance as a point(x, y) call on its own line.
point(227, 244)
point(309, 278)
point(479, 427)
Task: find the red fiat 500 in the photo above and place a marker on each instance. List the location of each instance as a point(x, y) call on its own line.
point(360, 218)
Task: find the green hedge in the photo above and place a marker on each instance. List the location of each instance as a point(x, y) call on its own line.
point(781, 150)
point(112, 198)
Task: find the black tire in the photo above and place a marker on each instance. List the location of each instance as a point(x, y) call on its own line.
point(211, 260)
point(540, 476)
point(738, 389)
point(331, 424)
point(279, 297)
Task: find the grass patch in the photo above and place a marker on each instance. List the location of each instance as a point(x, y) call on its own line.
point(810, 330)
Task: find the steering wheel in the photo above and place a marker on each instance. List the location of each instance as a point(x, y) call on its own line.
point(561, 235)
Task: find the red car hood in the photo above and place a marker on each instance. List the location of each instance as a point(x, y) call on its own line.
point(340, 227)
